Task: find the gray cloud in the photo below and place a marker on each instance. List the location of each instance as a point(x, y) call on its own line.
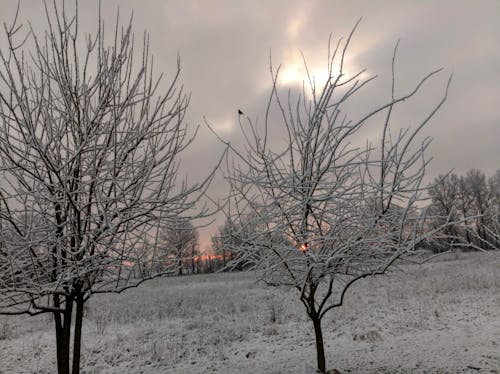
point(225, 44)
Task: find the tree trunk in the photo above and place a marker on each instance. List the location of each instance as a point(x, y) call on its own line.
point(59, 340)
point(63, 333)
point(320, 347)
point(78, 334)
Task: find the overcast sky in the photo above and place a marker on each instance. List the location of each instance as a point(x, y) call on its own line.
point(225, 46)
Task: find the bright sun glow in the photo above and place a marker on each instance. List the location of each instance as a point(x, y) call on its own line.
point(290, 75)
point(295, 74)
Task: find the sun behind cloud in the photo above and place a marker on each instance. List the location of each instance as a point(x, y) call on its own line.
point(294, 73)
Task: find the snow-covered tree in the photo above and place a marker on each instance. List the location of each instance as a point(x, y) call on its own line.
point(472, 201)
point(445, 194)
point(334, 209)
point(222, 242)
point(90, 140)
point(179, 244)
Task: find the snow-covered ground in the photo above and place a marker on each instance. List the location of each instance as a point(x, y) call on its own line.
point(441, 317)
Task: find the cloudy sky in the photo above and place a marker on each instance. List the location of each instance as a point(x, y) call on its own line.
point(225, 46)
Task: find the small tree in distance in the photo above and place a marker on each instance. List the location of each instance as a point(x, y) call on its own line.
point(179, 243)
point(89, 159)
point(220, 244)
point(330, 212)
point(445, 194)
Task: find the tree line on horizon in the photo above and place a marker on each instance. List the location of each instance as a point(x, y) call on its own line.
point(468, 204)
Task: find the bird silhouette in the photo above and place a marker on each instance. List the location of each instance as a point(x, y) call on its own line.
point(240, 112)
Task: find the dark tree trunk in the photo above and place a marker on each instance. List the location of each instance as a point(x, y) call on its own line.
point(59, 340)
point(315, 316)
point(63, 333)
point(78, 334)
point(320, 346)
point(68, 313)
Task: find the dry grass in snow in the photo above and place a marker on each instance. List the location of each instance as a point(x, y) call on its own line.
point(440, 317)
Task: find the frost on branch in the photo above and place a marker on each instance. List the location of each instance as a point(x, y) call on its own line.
point(324, 207)
point(90, 140)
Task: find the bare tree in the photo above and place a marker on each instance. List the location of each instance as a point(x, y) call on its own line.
point(230, 236)
point(472, 201)
point(445, 195)
point(220, 246)
point(89, 158)
point(179, 243)
point(465, 204)
point(334, 209)
point(479, 195)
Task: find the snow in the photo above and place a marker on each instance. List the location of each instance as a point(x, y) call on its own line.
point(440, 317)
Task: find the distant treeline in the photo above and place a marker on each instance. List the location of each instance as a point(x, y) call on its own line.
point(471, 202)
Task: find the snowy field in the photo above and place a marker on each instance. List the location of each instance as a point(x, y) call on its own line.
point(441, 317)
